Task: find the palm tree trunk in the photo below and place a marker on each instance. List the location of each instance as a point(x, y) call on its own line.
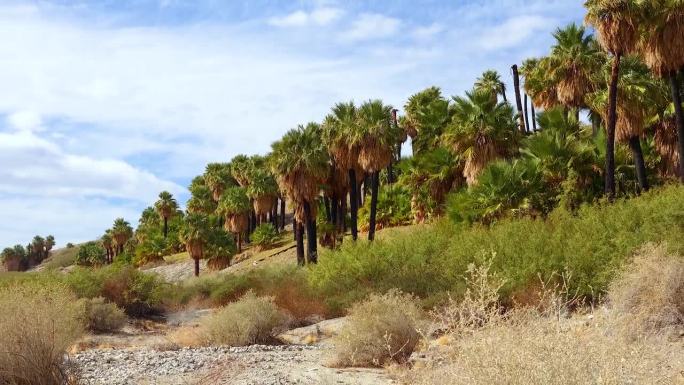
point(375, 181)
point(353, 204)
point(311, 239)
point(503, 93)
point(679, 115)
point(282, 214)
point(518, 101)
point(299, 237)
point(639, 164)
point(328, 212)
point(294, 227)
point(527, 117)
point(534, 117)
point(196, 267)
point(334, 202)
point(342, 216)
point(254, 221)
point(610, 129)
point(239, 241)
point(166, 227)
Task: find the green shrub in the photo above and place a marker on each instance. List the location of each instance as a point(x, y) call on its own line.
point(137, 293)
point(251, 320)
point(101, 316)
point(379, 330)
point(91, 254)
point(590, 245)
point(69, 245)
point(265, 236)
point(394, 208)
point(38, 325)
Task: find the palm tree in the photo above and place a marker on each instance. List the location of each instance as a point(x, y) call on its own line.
point(263, 191)
point(107, 244)
point(218, 177)
point(194, 233)
point(663, 51)
point(49, 244)
point(490, 81)
point(427, 115)
point(481, 132)
point(234, 205)
point(121, 233)
point(336, 130)
point(574, 58)
point(616, 25)
point(166, 206)
point(375, 136)
point(240, 167)
point(300, 162)
point(518, 102)
point(638, 97)
point(37, 250)
point(538, 84)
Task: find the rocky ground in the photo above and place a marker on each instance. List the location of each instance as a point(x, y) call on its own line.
point(252, 365)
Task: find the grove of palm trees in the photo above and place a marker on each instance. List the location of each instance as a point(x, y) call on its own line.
point(524, 235)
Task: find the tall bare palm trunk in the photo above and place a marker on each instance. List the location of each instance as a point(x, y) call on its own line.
point(534, 116)
point(375, 182)
point(311, 238)
point(166, 226)
point(610, 129)
point(527, 117)
point(518, 100)
point(196, 267)
point(299, 238)
point(282, 214)
point(353, 204)
point(679, 115)
point(639, 163)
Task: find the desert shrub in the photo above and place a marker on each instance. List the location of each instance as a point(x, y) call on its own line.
point(591, 245)
point(394, 208)
point(250, 320)
point(38, 324)
point(137, 293)
point(381, 329)
point(265, 236)
point(534, 350)
point(101, 316)
point(649, 294)
point(91, 254)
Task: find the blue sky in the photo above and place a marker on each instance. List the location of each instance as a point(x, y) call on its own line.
point(106, 103)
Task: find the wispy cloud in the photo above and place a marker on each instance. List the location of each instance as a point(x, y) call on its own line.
point(428, 32)
point(514, 31)
point(320, 17)
point(371, 26)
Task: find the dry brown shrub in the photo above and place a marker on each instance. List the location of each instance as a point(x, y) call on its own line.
point(251, 320)
point(37, 326)
point(548, 345)
point(648, 298)
point(101, 316)
point(381, 329)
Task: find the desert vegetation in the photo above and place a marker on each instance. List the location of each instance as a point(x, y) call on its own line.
point(536, 240)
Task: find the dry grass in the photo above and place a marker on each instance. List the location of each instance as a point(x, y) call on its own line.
point(251, 320)
point(380, 330)
point(648, 297)
point(37, 325)
point(101, 316)
point(545, 345)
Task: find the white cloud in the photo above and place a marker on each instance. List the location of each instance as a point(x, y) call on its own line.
point(513, 31)
point(370, 26)
point(25, 120)
point(319, 16)
point(427, 32)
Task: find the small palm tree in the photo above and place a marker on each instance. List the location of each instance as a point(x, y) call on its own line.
point(300, 162)
point(194, 233)
point(49, 244)
point(427, 115)
point(121, 233)
point(375, 136)
point(481, 132)
point(107, 244)
point(166, 206)
point(574, 58)
point(490, 81)
point(218, 177)
point(234, 205)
